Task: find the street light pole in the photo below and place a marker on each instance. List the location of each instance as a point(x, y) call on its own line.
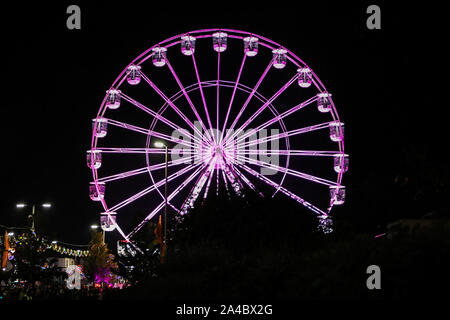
point(159, 144)
point(33, 211)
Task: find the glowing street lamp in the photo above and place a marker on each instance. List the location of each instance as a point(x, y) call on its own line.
point(95, 227)
point(22, 205)
point(159, 144)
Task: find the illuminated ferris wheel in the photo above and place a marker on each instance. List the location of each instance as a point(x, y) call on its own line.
point(213, 111)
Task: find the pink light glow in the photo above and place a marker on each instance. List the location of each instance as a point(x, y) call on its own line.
point(215, 151)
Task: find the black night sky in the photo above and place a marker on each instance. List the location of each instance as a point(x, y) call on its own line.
point(385, 84)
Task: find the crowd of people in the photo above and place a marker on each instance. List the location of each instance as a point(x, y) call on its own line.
point(32, 292)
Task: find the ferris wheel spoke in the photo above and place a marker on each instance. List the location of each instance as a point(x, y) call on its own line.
point(290, 194)
point(291, 172)
point(124, 175)
point(191, 104)
point(131, 150)
point(153, 187)
point(197, 188)
point(286, 134)
point(148, 132)
point(278, 117)
point(174, 107)
point(252, 93)
point(169, 198)
point(202, 94)
point(217, 181)
point(264, 106)
point(244, 178)
point(130, 173)
point(158, 116)
point(233, 178)
point(232, 97)
point(225, 182)
point(217, 97)
point(119, 229)
point(316, 153)
point(208, 184)
point(173, 207)
point(127, 126)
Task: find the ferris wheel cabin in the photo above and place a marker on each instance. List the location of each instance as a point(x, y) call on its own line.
point(187, 45)
point(251, 46)
point(133, 75)
point(97, 194)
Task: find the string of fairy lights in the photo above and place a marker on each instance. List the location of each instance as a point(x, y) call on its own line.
point(60, 247)
point(71, 252)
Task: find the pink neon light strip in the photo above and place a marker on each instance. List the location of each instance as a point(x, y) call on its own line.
point(290, 194)
point(142, 170)
point(201, 93)
point(232, 97)
point(317, 153)
point(249, 98)
point(287, 134)
point(217, 97)
point(183, 89)
point(291, 172)
point(264, 106)
point(279, 117)
point(175, 108)
point(147, 132)
point(161, 205)
point(195, 191)
point(210, 174)
point(158, 116)
point(244, 178)
point(151, 188)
